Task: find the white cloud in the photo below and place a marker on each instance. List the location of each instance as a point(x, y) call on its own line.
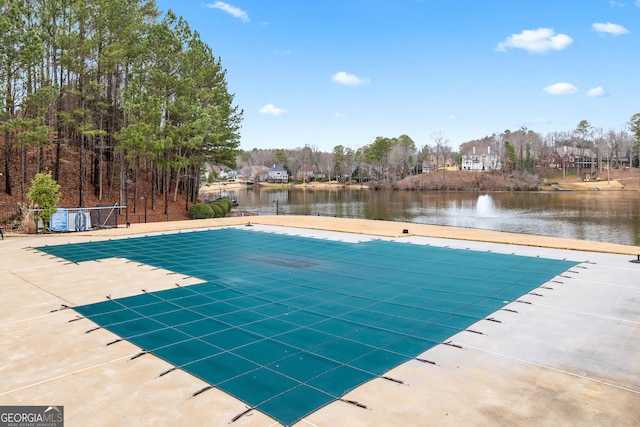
point(561, 89)
point(231, 10)
point(345, 78)
point(610, 28)
point(340, 116)
point(539, 121)
point(453, 117)
point(596, 92)
point(282, 52)
point(536, 41)
point(272, 110)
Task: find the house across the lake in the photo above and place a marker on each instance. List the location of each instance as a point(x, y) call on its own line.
point(480, 162)
point(278, 174)
point(572, 157)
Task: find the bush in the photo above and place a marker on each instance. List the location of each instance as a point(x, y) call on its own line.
point(27, 226)
point(44, 194)
point(201, 211)
point(224, 202)
point(219, 209)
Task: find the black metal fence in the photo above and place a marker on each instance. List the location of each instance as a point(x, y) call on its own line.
point(141, 217)
point(9, 214)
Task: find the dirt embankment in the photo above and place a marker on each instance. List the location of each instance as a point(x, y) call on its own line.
point(69, 179)
point(467, 181)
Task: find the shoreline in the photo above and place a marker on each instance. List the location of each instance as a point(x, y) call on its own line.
point(618, 184)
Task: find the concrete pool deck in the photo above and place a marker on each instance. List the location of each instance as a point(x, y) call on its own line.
point(566, 354)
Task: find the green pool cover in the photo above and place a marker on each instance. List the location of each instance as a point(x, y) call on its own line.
point(289, 324)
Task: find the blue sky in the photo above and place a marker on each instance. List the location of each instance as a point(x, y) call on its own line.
point(330, 72)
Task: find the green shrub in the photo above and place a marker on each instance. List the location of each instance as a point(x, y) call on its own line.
point(225, 202)
point(44, 194)
point(218, 209)
point(201, 211)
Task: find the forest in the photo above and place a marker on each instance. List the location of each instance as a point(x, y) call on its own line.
point(125, 94)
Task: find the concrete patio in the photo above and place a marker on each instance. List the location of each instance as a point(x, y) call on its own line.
point(565, 354)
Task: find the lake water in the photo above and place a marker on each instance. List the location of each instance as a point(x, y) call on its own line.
point(591, 215)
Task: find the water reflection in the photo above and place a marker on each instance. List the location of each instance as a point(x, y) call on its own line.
point(601, 216)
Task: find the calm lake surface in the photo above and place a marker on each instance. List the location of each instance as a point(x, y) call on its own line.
point(591, 215)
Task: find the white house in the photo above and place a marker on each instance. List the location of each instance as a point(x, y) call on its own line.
point(480, 162)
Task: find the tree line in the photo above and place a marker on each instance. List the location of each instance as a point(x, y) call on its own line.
point(370, 162)
point(126, 88)
point(389, 159)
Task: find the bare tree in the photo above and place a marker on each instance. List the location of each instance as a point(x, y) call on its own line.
point(438, 143)
point(442, 151)
point(625, 144)
point(611, 146)
point(350, 159)
point(599, 148)
point(261, 157)
point(396, 160)
point(327, 164)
